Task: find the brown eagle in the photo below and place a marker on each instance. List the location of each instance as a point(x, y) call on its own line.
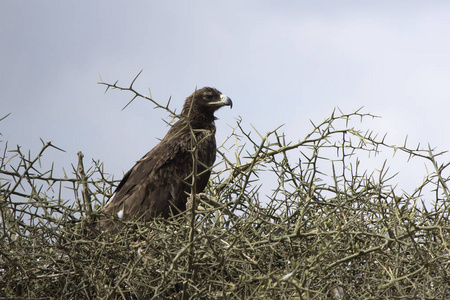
point(157, 185)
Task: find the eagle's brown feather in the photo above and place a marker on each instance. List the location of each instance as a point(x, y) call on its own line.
point(156, 185)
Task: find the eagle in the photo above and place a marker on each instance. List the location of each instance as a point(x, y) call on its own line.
point(159, 183)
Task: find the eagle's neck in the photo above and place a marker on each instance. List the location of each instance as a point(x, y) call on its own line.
point(201, 122)
point(183, 125)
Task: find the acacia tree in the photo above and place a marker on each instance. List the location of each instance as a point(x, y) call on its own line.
point(327, 228)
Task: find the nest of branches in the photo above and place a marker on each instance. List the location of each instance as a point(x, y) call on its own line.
point(326, 230)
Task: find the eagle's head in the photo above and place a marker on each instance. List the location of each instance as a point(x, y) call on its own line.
point(203, 103)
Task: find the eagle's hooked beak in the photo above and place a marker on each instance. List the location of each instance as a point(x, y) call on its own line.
point(226, 101)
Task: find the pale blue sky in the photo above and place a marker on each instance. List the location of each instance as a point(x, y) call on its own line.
point(282, 62)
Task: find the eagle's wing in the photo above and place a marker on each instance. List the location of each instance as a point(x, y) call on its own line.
point(155, 185)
